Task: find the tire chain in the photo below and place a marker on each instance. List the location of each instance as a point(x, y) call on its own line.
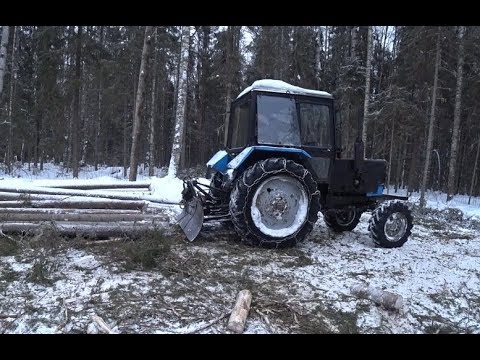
point(306, 180)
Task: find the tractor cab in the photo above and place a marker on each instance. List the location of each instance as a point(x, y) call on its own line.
point(272, 116)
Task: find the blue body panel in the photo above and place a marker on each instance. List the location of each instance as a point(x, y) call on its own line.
point(240, 158)
point(379, 191)
point(219, 161)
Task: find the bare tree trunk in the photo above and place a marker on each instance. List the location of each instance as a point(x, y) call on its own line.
point(353, 43)
point(139, 103)
point(182, 97)
point(383, 59)
point(367, 87)
point(432, 124)
point(390, 155)
point(76, 104)
point(125, 139)
point(99, 111)
point(3, 55)
point(228, 80)
point(9, 159)
point(151, 139)
point(318, 55)
point(202, 92)
point(456, 115)
point(472, 183)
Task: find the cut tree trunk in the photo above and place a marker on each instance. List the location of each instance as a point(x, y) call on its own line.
point(238, 317)
point(88, 229)
point(388, 300)
point(94, 218)
point(75, 204)
point(116, 185)
point(91, 211)
point(93, 193)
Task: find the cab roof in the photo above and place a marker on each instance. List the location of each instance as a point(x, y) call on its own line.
point(279, 86)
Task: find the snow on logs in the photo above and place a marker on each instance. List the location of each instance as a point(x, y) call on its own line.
point(81, 209)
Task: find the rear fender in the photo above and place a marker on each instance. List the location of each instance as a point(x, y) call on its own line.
point(242, 160)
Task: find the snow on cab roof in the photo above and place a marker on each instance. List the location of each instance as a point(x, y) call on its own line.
point(282, 87)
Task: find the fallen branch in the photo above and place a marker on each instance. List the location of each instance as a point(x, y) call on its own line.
point(2, 234)
point(214, 321)
point(2, 316)
point(239, 314)
point(102, 325)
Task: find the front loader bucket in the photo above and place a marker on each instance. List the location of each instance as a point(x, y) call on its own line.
point(191, 218)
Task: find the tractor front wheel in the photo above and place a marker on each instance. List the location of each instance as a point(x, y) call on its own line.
point(391, 224)
point(275, 203)
point(342, 219)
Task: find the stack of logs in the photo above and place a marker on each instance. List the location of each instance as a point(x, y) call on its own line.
point(105, 210)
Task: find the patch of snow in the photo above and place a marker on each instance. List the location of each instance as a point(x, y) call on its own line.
point(438, 200)
point(86, 262)
point(282, 87)
point(167, 188)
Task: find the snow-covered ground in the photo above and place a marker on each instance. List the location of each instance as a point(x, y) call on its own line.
point(167, 285)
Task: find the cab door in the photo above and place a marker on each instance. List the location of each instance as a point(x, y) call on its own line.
point(317, 134)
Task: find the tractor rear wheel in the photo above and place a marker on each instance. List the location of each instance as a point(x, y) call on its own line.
point(391, 224)
point(342, 219)
point(274, 203)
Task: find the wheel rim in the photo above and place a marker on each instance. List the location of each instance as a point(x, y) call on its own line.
point(345, 217)
point(279, 206)
point(395, 226)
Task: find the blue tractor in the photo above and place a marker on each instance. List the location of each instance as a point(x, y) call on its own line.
point(282, 165)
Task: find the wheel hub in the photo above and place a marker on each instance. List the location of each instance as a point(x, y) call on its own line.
point(395, 226)
point(279, 206)
point(345, 217)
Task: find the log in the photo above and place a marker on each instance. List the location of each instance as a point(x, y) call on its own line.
point(76, 204)
point(238, 317)
point(9, 196)
point(115, 185)
point(27, 197)
point(83, 193)
point(67, 211)
point(112, 217)
point(102, 326)
point(388, 300)
point(91, 230)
